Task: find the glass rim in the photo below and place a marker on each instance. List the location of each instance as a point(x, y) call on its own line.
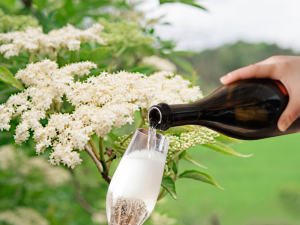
point(145, 132)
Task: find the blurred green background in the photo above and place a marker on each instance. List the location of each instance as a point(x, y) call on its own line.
point(261, 190)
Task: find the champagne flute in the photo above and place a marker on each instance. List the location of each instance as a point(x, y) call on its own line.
point(134, 188)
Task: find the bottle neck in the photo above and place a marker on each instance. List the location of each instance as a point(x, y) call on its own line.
point(164, 116)
point(183, 114)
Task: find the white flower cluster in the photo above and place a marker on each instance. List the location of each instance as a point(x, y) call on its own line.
point(7, 157)
point(46, 84)
point(11, 158)
point(99, 217)
point(35, 41)
point(22, 216)
point(102, 102)
point(172, 89)
point(124, 33)
point(196, 136)
point(160, 64)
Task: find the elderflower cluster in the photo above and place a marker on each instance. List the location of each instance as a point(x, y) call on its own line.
point(27, 167)
point(13, 23)
point(196, 136)
point(35, 41)
point(172, 89)
point(124, 33)
point(100, 103)
point(46, 84)
point(99, 217)
point(158, 63)
point(7, 157)
point(22, 216)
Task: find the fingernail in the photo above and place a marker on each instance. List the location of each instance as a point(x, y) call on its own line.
point(224, 78)
point(284, 125)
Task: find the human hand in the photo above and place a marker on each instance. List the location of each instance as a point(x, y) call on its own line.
point(283, 68)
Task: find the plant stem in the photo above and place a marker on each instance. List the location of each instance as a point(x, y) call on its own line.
point(121, 50)
point(177, 154)
point(110, 158)
point(125, 139)
point(58, 105)
point(102, 161)
point(32, 57)
point(63, 52)
point(94, 148)
point(90, 152)
point(194, 77)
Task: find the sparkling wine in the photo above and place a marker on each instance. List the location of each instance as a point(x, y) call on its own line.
point(151, 139)
point(246, 109)
point(134, 188)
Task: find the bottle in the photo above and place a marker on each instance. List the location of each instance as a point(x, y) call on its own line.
point(246, 109)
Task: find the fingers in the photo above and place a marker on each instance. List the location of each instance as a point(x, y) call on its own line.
point(257, 70)
point(290, 114)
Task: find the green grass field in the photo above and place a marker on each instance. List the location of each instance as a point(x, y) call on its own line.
point(252, 186)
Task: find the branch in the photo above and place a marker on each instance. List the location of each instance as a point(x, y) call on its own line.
point(94, 148)
point(98, 164)
point(80, 199)
point(90, 152)
point(27, 3)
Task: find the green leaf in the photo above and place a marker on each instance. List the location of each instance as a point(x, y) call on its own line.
point(99, 54)
point(182, 155)
point(183, 53)
point(113, 136)
point(220, 147)
point(178, 130)
point(228, 140)
point(196, 5)
point(61, 61)
point(188, 2)
point(184, 64)
point(175, 166)
point(74, 56)
point(200, 176)
point(168, 184)
point(8, 90)
point(145, 70)
point(190, 159)
point(7, 77)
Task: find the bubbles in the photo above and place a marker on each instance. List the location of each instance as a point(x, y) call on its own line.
point(134, 188)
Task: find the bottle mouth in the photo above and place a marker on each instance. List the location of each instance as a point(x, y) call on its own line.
point(154, 116)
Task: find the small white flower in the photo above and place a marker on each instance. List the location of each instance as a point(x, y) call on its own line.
point(34, 40)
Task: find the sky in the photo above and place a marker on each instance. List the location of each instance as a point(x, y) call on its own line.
point(272, 21)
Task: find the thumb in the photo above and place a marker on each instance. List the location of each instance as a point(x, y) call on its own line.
point(290, 114)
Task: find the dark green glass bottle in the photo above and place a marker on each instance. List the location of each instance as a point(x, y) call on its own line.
point(246, 109)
